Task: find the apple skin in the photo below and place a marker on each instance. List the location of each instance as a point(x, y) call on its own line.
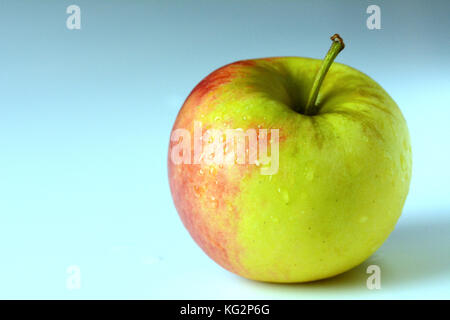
point(343, 175)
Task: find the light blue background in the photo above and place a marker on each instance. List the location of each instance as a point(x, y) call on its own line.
point(85, 118)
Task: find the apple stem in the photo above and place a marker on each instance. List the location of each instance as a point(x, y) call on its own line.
point(336, 47)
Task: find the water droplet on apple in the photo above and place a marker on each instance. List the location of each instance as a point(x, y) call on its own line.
point(197, 191)
point(200, 172)
point(402, 162)
point(363, 219)
point(214, 202)
point(274, 219)
point(310, 175)
point(285, 197)
point(388, 156)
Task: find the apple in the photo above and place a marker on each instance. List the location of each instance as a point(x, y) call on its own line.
point(343, 172)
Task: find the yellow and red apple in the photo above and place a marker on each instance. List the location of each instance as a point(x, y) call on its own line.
point(343, 176)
